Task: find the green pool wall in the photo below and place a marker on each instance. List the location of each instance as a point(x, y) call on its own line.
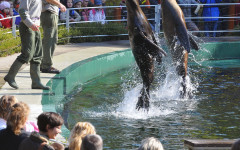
point(83, 71)
point(217, 51)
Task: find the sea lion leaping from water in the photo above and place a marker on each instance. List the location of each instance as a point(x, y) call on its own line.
point(174, 28)
point(144, 48)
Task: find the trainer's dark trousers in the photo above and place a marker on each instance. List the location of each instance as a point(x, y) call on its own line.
point(31, 50)
point(49, 23)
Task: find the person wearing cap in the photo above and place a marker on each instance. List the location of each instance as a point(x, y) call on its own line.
point(49, 21)
point(5, 12)
point(77, 4)
point(97, 14)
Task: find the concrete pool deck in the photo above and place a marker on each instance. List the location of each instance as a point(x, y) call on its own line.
point(64, 56)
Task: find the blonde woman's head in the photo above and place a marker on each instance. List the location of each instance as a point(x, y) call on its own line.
point(18, 117)
point(6, 102)
point(79, 131)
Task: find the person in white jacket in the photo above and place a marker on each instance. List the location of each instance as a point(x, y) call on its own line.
point(97, 14)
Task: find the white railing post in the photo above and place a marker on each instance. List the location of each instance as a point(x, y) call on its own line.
point(14, 26)
point(157, 18)
point(67, 19)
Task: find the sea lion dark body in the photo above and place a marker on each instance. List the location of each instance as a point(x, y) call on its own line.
point(144, 48)
point(175, 30)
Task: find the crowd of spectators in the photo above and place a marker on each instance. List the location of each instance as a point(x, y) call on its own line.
point(17, 134)
point(84, 13)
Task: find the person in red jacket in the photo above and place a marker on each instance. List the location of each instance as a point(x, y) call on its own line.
point(5, 12)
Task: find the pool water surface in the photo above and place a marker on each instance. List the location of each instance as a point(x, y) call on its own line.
point(212, 112)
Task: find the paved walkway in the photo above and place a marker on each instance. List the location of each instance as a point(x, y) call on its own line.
point(64, 56)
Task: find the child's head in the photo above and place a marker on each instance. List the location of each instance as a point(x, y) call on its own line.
point(79, 131)
point(57, 146)
point(85, 3)
point(5, 7)
point(77, 3)
point(69, 3)
point(18, 117)
point(98, 3)
point(6, 102)
point(50, 123)
point(16, 4)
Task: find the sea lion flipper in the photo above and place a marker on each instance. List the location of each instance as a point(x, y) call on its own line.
point(155, 49)
point(193, 43)
point(183, 36)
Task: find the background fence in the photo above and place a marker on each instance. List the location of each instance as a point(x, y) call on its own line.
point(116, 21)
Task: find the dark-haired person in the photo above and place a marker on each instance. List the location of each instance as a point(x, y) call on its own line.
point(14, 134)
point(92, 142)
point(49, 124)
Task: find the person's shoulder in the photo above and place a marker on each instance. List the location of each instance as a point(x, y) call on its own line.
point(24, 134)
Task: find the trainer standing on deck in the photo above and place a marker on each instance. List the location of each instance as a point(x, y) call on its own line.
point(49, 21)
point(31, 51)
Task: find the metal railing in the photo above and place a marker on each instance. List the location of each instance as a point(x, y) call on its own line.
point(156, 18)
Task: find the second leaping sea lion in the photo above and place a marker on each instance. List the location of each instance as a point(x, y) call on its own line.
point(174, 28)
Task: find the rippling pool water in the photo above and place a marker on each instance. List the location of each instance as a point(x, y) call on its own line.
point(213, 113)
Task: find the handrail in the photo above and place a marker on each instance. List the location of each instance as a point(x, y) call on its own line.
point(157, 18)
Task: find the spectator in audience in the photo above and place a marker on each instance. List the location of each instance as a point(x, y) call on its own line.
point(14, 134)
point(73, 15)
point(151, 143)
point(92, 142)
point(49, 124)
point(104, 4)
point(5, 11)
point(85, 12)
point(78, 4)
point(224, 12)
point(191, 26)
point(15, 11)
point(237, 12)
point(79, 131)
point(149, 11)
point(236, 145)
point(6, 102)
point(210, 24)
point(123, 9)
point(57, 146)
point(87, 3)
point(97, 14)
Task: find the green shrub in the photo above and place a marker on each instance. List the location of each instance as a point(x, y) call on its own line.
point(63, 35)
point(77, 32)
point(8, 43)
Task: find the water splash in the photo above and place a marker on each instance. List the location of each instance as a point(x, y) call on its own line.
point(164, 95)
